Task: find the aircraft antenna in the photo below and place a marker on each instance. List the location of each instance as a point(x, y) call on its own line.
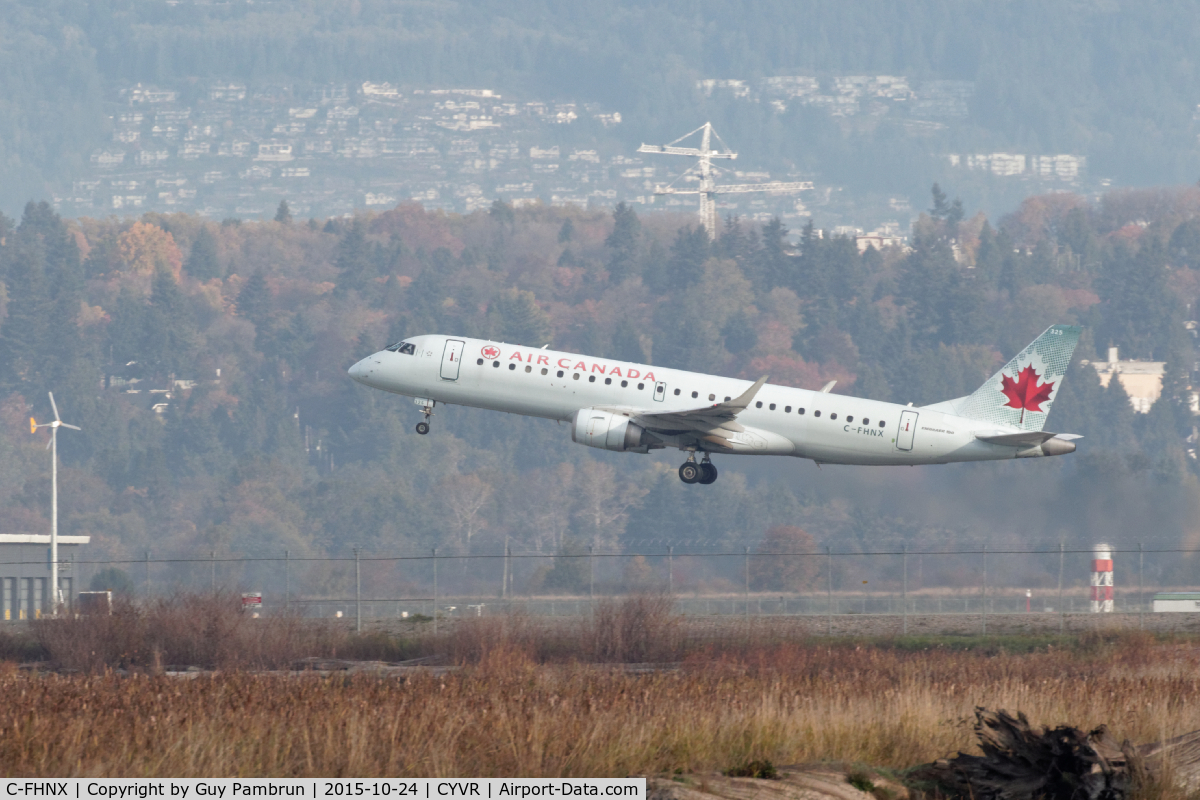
point(704, 172)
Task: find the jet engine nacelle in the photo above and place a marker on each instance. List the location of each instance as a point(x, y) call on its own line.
point(609, 431)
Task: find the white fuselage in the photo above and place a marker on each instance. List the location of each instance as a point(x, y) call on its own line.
point(827, 428)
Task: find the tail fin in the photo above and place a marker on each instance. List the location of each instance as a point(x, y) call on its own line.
point(1023, 392)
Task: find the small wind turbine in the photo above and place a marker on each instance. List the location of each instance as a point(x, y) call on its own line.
point(53, 446)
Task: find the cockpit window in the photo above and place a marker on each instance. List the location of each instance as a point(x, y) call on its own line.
point(405, 348)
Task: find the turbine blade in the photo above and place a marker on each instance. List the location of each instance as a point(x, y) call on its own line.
point(72, 427)
point(50, 441)
point(52, 405)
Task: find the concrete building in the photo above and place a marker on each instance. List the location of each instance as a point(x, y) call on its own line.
point(25, 573)
point(1142, 380)
point(1177, 601)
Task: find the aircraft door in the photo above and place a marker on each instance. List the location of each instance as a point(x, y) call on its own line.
point(451, 359)
point(908, 429)
point(660, 391)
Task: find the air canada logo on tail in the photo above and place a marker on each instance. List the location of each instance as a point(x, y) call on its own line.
point(1025, 392)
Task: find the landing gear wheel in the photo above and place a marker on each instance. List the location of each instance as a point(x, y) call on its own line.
point(690, 472)
point(422, 428)
point(710, 473)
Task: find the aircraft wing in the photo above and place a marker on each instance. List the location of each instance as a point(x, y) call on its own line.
point(1023, 437)
point(715, 423)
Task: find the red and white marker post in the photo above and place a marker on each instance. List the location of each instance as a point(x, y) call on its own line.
point(1102, 579)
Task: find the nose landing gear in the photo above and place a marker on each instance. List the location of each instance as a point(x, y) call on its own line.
point(427, 407)
point(704, 472)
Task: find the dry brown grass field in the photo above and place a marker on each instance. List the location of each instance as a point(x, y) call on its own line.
point(525, 702)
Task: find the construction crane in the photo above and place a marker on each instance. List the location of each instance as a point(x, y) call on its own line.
point(705, 172)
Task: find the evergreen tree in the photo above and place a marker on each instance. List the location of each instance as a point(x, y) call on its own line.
point(254, 300)
point(627, 344)
point(622, 243)
point(283, 214)
point(203, 263)
point(171, 337)
point(26, 335)
point(353, 260)
point(521, 321)
point(567, 232)
point(685, 267)
point(502, 212)
point(776, 265)
point(1116, 418)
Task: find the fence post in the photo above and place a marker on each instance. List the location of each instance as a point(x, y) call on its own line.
point(287, 579)
point(1062, 611)
point(212, 562)
point(1141, 587)
point(905, 595)
point(435, 596)
point(829, 587)
point(747, 583)
point(985, 590)
point(147, 574)
point(504, 582)
point(671, 571)
point(592, 579)
point(357, 593)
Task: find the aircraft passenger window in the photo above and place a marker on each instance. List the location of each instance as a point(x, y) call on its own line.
point(816, 413)
point(727, 399)
point(833, 415)
point(624, 384)
point(496, 364)
point(756, 405)
point(641, 386)
point(511, 367)
point(576, 376)
point(866, 421)
point(560, 373)
point(882, 423)
point(800, 411)
point(545, 371)
point(608, 381)
point(850, 419)
point(695, 394)
point(787, 409)
point(771, 407)
point(528, 368)
point(479, 361)
point(677, 393)
point(712, 397)
point(591, 378)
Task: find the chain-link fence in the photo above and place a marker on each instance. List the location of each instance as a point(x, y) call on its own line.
point(1021, 586)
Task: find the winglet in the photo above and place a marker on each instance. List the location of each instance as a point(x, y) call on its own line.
point(740, 402)
point(827, 388)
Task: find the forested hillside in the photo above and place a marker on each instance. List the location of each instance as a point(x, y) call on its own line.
point(263, 443)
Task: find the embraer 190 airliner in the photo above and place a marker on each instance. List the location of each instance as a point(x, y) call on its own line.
point(636, 408)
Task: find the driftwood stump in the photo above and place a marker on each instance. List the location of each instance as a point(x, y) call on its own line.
point(1064, 763)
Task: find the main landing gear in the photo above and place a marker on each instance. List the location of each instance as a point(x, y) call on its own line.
point(704, 472)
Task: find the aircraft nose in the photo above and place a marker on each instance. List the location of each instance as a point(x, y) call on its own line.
point(361, 370)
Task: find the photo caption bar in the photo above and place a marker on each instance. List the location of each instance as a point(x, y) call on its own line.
point(419, 788)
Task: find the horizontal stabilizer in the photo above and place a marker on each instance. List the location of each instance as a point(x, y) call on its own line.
point(1024, 437)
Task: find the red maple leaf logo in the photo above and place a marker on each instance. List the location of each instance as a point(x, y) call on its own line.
point(491, 351)
point(1025, 393)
